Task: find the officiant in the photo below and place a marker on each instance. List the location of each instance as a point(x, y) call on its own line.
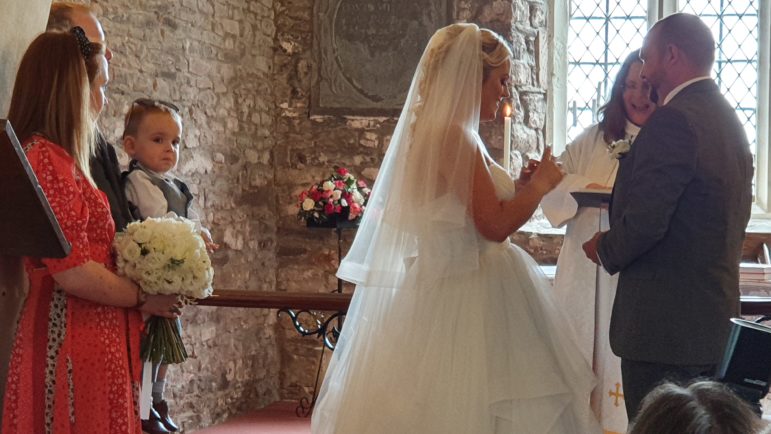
point(591, 161)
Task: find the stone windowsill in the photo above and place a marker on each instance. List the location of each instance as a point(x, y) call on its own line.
point(760, 223)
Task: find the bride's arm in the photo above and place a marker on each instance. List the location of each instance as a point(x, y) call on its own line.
point(497, 219)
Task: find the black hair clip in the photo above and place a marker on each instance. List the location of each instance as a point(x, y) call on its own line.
point(83, 43)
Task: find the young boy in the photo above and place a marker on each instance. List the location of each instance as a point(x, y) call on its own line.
point(151, 138)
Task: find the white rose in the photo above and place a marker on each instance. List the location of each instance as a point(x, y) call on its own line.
point(328, 185)
point(130, 252)
point(357, 197)
point(141, 235)
point(308, 204)
point(337, 194)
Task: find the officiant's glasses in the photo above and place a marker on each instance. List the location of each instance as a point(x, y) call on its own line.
point(634, 87)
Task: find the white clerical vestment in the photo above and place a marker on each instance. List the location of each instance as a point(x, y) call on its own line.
point(588, 160)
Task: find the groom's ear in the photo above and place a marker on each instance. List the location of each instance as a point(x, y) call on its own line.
point(673, 54)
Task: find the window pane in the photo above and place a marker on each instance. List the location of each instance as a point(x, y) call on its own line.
point(600, 36)
point(734, 25)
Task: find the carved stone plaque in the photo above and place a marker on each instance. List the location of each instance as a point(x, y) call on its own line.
point(367, 52)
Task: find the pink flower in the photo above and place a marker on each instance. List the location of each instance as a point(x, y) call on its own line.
point(338, 209)
point(342, 171)
point(340, 185)
point(303, 195)
point(315, 195)
point(326, 194)
point(329, 209)
point(361, 184)
point(355, 211)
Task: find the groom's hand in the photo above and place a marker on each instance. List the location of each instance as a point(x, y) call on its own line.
point(590, 248)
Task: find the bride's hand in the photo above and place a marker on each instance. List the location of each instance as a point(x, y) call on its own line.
point(548, 174)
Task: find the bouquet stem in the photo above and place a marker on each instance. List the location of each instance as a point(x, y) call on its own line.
point(162, 341)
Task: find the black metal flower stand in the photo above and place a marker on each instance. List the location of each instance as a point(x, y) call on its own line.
point(323, 326)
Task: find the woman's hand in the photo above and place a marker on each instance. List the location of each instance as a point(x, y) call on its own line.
point(167, 306)
point(548, 173)
point(527, 172)
point(211, 246)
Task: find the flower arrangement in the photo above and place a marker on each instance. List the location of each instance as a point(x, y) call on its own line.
point(339, 196)
point(619, 148)
point(165, 256)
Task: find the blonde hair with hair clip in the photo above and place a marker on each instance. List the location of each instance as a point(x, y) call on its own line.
point(52, 95)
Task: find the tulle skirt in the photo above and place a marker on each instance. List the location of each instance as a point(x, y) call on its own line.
point(485, 351)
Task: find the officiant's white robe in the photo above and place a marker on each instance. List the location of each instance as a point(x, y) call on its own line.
point(587, 160)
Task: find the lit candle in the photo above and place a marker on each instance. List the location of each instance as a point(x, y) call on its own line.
point(507, 137)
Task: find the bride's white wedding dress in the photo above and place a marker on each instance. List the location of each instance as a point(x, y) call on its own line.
point(447, 332)
point(480, 352)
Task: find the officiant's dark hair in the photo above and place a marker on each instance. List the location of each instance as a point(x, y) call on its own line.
point(703, 407)
point(613, 114)
point(52, 94)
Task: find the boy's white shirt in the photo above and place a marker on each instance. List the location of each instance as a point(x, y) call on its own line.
point(150, 200)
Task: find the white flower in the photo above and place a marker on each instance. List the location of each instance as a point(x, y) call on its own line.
point(357, 197)
point(337, 194)
point(171, 258)
point(142, 235)
point(619, 148)
point(328, 185)
point(308, 204)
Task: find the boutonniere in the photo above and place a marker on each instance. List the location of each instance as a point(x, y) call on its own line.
point(619, 148)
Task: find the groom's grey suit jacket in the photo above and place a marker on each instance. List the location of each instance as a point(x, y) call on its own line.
point(679, 209)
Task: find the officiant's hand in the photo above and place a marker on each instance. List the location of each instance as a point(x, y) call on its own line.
point(590, 248)
point(597, 186)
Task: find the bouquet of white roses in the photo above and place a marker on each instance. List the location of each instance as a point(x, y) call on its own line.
point(165, 256)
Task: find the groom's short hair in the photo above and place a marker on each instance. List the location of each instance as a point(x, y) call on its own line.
point(691, 35)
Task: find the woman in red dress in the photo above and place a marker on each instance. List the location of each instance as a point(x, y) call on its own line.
point(75, 361)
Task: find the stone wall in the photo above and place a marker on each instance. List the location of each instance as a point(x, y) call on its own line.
point(214, 59)
point(241, 71)
point(308, 147)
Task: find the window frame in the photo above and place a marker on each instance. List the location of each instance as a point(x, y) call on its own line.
point(556, 132)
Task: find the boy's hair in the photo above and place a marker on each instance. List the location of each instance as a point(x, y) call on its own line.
point(142, 107)
point(52, 94)
point(60, 15)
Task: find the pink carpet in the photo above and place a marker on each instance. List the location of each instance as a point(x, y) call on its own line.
point(277, 418)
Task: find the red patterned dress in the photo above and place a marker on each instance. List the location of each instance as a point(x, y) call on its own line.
point(75, 364)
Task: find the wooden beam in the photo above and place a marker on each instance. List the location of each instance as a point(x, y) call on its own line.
point(278, 300)
point(751, 305)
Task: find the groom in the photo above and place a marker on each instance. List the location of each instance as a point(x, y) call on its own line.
point(679, 208)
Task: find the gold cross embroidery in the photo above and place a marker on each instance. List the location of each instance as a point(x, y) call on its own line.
point(616, 395)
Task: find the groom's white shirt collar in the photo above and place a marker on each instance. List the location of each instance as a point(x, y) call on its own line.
point(677, 90)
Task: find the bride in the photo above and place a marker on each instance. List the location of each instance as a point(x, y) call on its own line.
point(452, 329)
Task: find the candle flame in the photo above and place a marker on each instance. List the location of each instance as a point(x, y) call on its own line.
point(506, 110)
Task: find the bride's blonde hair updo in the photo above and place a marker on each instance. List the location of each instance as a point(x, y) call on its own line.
point(495, 52)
